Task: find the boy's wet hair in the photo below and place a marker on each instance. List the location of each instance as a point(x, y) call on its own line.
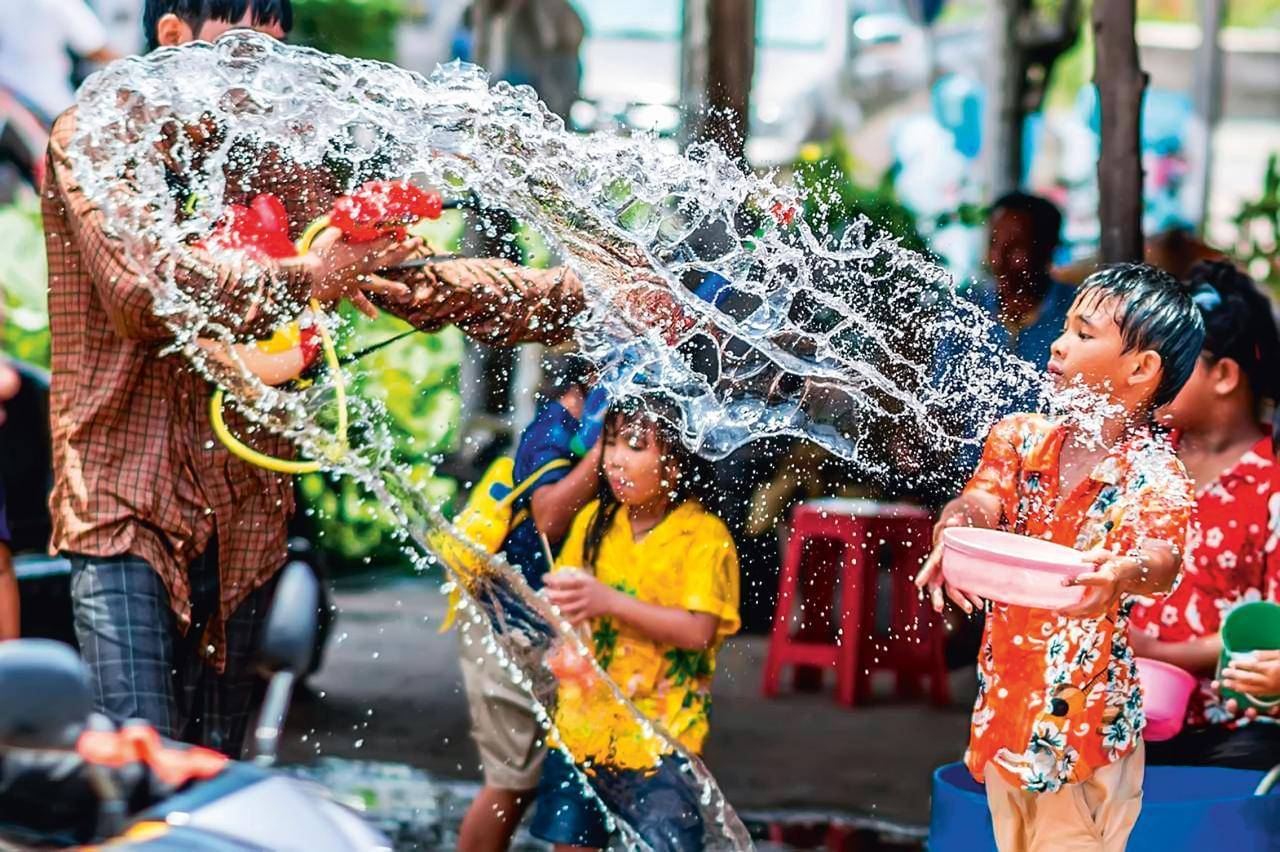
point(1154, 311)
point(1239, 323)
point(195, 13)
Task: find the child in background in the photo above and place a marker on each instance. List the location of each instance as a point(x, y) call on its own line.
point(504, 726)
point(1234, 548)
point(1057, 726)
point(655, 576)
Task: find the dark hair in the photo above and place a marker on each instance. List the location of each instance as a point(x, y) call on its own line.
point(1046, 218)
point(694, 472)
point(1239, 323)
point(195, 13)
point(1154, 311)
point(563, 373)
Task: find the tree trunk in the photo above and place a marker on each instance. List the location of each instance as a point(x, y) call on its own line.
point(1120, 83)
point(717, 64)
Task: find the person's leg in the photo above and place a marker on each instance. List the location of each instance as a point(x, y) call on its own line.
point(229, 699)
point(492, 819)
point(126, 632)
point(1112, 799)
point(510, 742)
point(567, 815)
point(1095, 815)
point(1007, 804)
point(664, 808)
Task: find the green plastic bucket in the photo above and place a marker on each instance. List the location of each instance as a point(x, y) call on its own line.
point(1248, 628)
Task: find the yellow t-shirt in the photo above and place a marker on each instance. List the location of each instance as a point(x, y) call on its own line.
point(687, 561)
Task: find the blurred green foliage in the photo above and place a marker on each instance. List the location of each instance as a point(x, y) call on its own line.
point(365, 29)
point(23, 279)
point(834, 199)
point(1258, 224)
point(417, 381)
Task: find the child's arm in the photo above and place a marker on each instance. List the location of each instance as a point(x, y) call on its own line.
point(582, 597)
point(1194, 655)
point(9, 599)
point(273, 368)
point(1152, 570)
point(554, 506)
point(971, 509)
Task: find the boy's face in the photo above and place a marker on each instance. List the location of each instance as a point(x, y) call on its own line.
point(1090, 353)
point(171, 30)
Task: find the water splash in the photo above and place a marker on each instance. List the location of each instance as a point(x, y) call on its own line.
point(824, 337)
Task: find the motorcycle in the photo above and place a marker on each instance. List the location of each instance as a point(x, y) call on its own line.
point(69, 778)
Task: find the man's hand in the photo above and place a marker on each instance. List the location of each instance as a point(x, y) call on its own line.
point(930, 576)
point(1258, 677)
point(579, 596)
point(648, 300)
point(343, 269)
point(1104, 585)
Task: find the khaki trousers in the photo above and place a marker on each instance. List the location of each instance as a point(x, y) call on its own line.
point(1095, 815)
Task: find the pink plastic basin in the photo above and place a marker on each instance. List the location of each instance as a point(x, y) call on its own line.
point(1166, 689)
point(1011, 569)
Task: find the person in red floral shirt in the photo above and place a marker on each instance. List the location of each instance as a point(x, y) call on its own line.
point(1234, 545)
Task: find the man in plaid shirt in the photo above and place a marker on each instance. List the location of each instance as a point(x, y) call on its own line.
point(175, 543)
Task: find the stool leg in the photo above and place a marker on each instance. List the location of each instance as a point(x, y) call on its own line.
point(873, 648)
point(781, 634)
point(852, 597)
point(932, 637)
point(821, 564)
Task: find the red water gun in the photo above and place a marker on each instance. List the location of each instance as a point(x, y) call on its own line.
point(383, 207)
point(262, 230)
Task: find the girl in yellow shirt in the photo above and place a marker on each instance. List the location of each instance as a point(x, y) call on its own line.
point(654, 576)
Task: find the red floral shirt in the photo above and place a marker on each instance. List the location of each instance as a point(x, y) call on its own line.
point(1058, 698)
point(1234, 558)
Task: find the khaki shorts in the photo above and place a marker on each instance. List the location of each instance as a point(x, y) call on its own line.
point(1095, 815)
point(511, 743)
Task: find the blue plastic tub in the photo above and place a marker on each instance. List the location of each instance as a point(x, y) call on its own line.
point(1183, 808)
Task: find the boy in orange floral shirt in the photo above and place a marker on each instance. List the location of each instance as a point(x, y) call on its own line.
point(1056, 730)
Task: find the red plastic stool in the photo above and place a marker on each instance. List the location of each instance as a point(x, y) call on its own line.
point(913, 646)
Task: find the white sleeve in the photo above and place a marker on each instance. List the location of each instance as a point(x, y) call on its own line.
point(84, 32)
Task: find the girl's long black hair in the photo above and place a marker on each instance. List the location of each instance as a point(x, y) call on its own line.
point(693, 472)
point(1240, 324)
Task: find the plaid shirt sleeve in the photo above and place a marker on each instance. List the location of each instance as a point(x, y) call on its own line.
point(493, 301)
point(247, 300)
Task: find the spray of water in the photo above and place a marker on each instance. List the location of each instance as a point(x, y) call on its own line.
point(825, 337)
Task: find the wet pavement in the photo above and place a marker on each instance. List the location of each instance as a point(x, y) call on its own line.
point(384, 723)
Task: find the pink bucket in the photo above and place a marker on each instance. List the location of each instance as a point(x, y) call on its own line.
point(1011, 569)
point(1166, 690)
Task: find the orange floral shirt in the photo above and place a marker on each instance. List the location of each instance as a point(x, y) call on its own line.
point(1058, 698)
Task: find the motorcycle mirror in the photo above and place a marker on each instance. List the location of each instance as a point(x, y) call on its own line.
point(47, 697)
point(291, 627)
